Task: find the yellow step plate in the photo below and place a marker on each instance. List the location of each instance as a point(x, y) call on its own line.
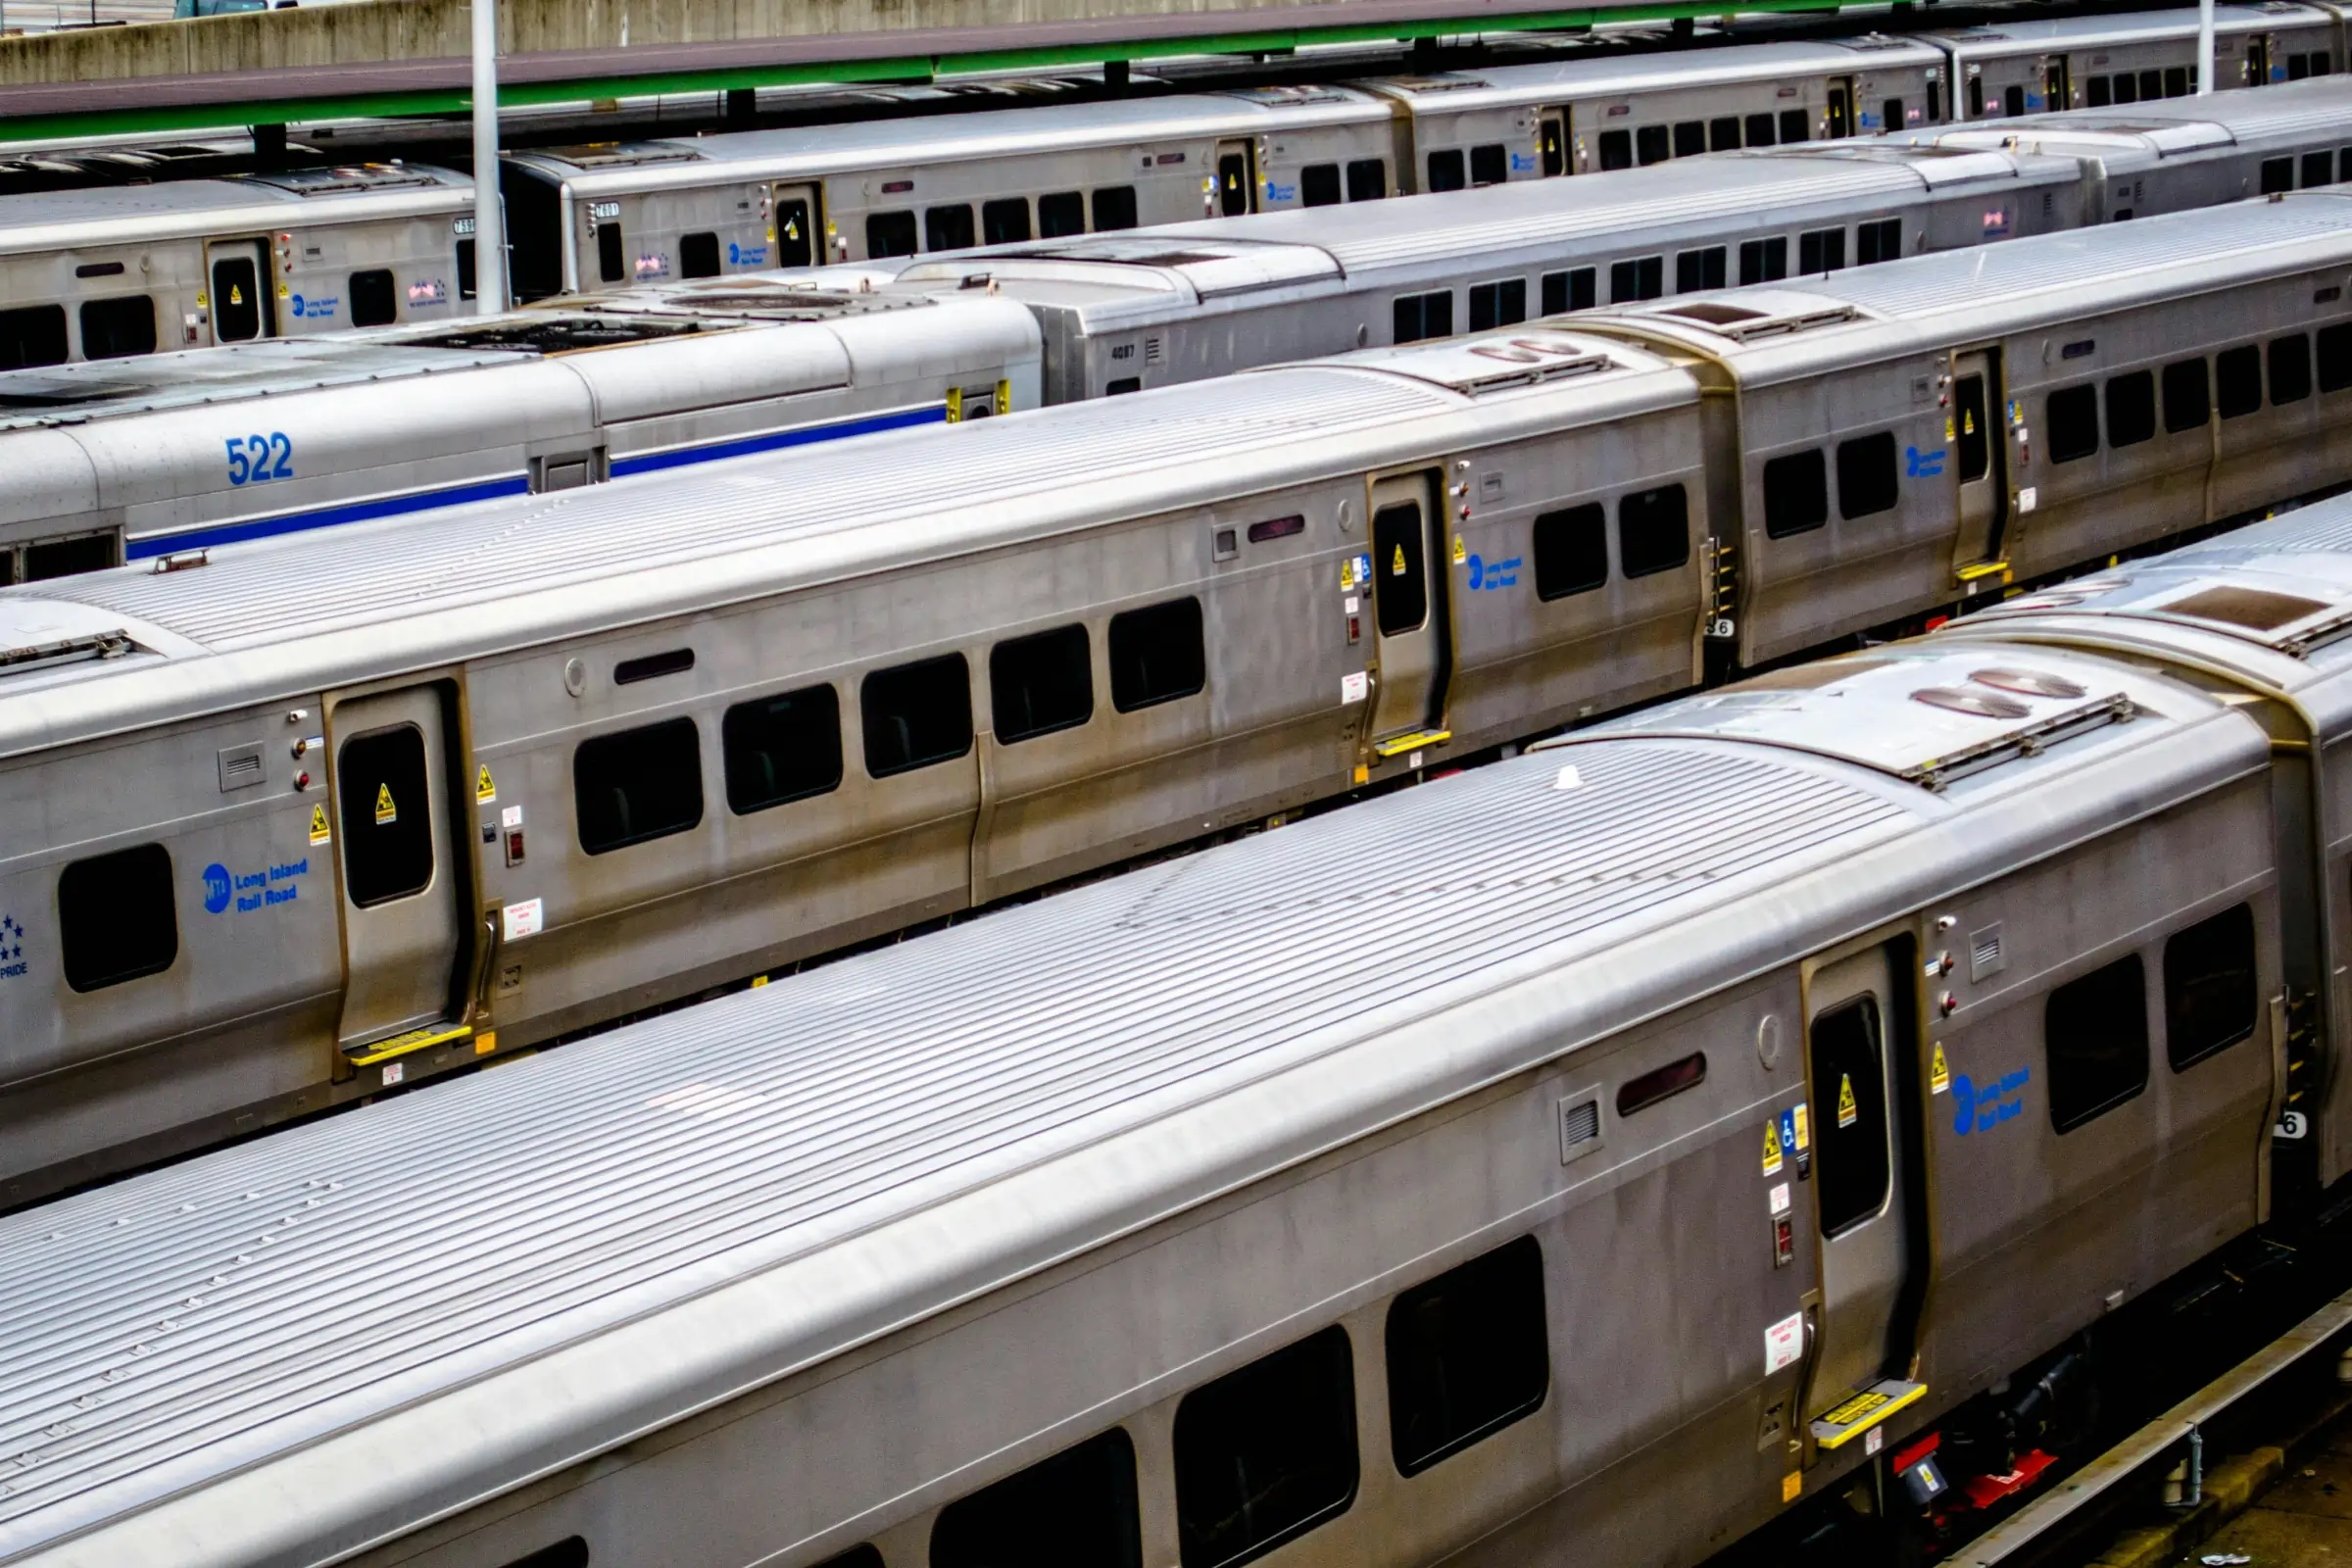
point(432, 1034)
point(1983, 568)
point(1840, 1426)
point(1412, 743)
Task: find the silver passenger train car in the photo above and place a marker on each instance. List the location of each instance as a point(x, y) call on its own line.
point(130, 459)
point(552, 760)
point(1577, 1160)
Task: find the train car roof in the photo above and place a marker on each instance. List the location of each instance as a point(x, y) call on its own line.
point(126, 215)
point(2169, 127)
point(313, 1341)
point(1549, 81)
point(2034, 34)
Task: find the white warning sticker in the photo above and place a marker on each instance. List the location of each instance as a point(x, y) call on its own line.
point(523, 919)
point(1355, 687)
point(1784, 1344)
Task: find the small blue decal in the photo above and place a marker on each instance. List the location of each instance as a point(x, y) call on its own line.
point(1523, 162)
point(12, 948)
point(1281, 193)
point(216, 888)
point(1977, 1109)
point(253, 889)
point(1487, 575)
point(1788, 1131)
point(1918, 464)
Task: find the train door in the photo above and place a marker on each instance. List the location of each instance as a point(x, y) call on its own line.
point(2258, 62)
point(238, 290)
point(1979, 460)
point(1861, 1197)
point(1552, 142)
point(1410, 615)
point(797, 221)
point(1237, 178)
point(1842, 106)
point(390, 815)
point(2057, 84)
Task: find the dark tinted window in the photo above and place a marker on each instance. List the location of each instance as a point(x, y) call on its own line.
point(1041, 683)
point(2335, 357)
point(1640, 1093)
point(698, 255)
point(1723, 133)
point(1572, 550)
point(1795, 126)
point(1796, 493)
point(1974, 444)
point(781, 748)
point(2124, 88)
point(387, 815)
point(1074, 1511)
point(1976, 97)
point(1265, 1454)
point(372, 304)
point(1319, 185)
point(2209, 985)
point(1415, 316)
point(2187, 399)
point(1446, 170)
point(1468, 1354)
point(1569, 291)
point(2094, 93)
point(1367, 179)
point(1763, 261)
point(2095, 1031)
point(612, 262)
point(916, 715)
point(1157, 655)
point(1697, 270)
point(1866, 481)
point(1114, 208)
point(638, 784)
point(572, 1553)
point(1616, 149)
point(1881, 241)
point(1502, 304)
point(34, 335)
point(2237, 381)
point(116, 328)
point(2278, 174)
point(1690, 138)
point(1641, 278)
point(890, 235)
point(1850, 1124)
point(2175, 81)
point(1488, 165)
point(1062, 213)
point(1005, 221)
point(115, 917)
point(1654, 531)
point(948, 228)
point(1650, 145)
point(1890, 115)
point(1822, 250)
point(2073, 421)
point(1759, 130)
point(2319, 169)
point(2130, 408)
point(2291, 368)
point(2013, 101)
point(64, 558)
point(1400, 593)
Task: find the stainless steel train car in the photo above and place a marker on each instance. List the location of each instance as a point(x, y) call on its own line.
point(121, 271)
point(927, 670)
point(2017, 66)
point(1578, 1159)
point(130, 459)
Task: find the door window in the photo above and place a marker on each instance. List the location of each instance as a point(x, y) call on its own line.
point(1975, 451)
point(387, 815)
point(612, 259)
point(1850, 1117)
point(792, 238)
point(236, 299)
point(1233, 184)
point(1397, 566)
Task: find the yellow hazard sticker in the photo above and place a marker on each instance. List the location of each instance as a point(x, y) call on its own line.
point(1939, 1071)
point(1461, 551)
point(485, 788)
point(1804, 1131)
point(1792, 1486)
point(1397, 566)
point(485, 1042)
point(1772, 1149)
point(1968, 422)
point(387, 813)
point(318, 829)
point(236, 295)
point(1848, 1112)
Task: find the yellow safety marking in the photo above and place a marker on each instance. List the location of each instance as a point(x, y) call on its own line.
point(1363, 774)
point(414, 1039)
point(758, 981)
point(1397, 566)
point(1847, 1111)
point(1004, 396)
point(954, 405)
point(1947, 429)
point(1461, 551)
point(319, 828)
point(236, 295)
point(1804, 1133)
point(485, 788)
point(1863, 1411)
point(1983, 569)
point(1939, 1071)
point(1968, 422)
point(387, 813)
point(1772, 1149)
point(200, 303)
point(1405, 743)
point(1792, 1486)
point(485, 1042)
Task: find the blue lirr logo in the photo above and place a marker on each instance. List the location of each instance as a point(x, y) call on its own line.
point(216, 888)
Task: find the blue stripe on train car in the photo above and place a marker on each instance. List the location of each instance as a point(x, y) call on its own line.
point(775, 440)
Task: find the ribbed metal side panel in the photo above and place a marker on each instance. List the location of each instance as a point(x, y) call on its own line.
point(200, 1316)
point(475, 554)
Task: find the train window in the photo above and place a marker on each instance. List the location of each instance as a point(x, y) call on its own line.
point(116, 328)
point(1794, 126)
point(1695, 269)
point(2094, 92)
point(2319, 169)
point(1402, 599)
point(2151, 85)
point(1976, 452)
point(1654, 531)
point(115, 917)
point(1661, 1083)
point(1763, 261)
point(1233, 184)
point(569, 1552)
point(1572, 550)
point(890, 235)
point(1796, 494)
point(916, 715)
point(2175, 81)
point(32, 335)
point(1690, 138)
point(1723, 133)
point(1651, 145)
point(698, 255)
point(948, 228)
point(1266, 1454)
point(2125, 88)
point(1489, 165)
point(1851, 1155)
point(2335, 357)
point(1759, 130)
point(67, 557)
point(1078, 1507)
point(1499, 303)
point(1319, 185)
point(860, 1557)
point(1004, 221)
point(1367, 179)
point(1114, 208)
point(2188, 396)
point(2237, 381)
point(634, 785)
point(2277, 174)
point(1641, 278)
point(1157, 655)
point(1890, 115)
point(1976, 97)
point(2209, 985)
point(2291, 368)
point(1573, 290)
point(1061, 214)
point(1468, 1354)
point(1935, 102)
point(1415, 316)
point(1122, 385)
point(612, 261)
point(2013, 101)
point(1446, 170)
point(1616, 150)
point(2130, 408)
point(2096, 1033)
point(1041, 683)
point(467, 286)
point(2298, 66)
point(387, 817)
point(1866, 483)
point(781, 748)
point(2343, 162)
point(1821, 250)
point(1881, 241)
point(372, 301)
point(2073, 416)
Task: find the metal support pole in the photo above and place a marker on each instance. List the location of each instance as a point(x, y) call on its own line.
point(489, 220)
point(2204, 47)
